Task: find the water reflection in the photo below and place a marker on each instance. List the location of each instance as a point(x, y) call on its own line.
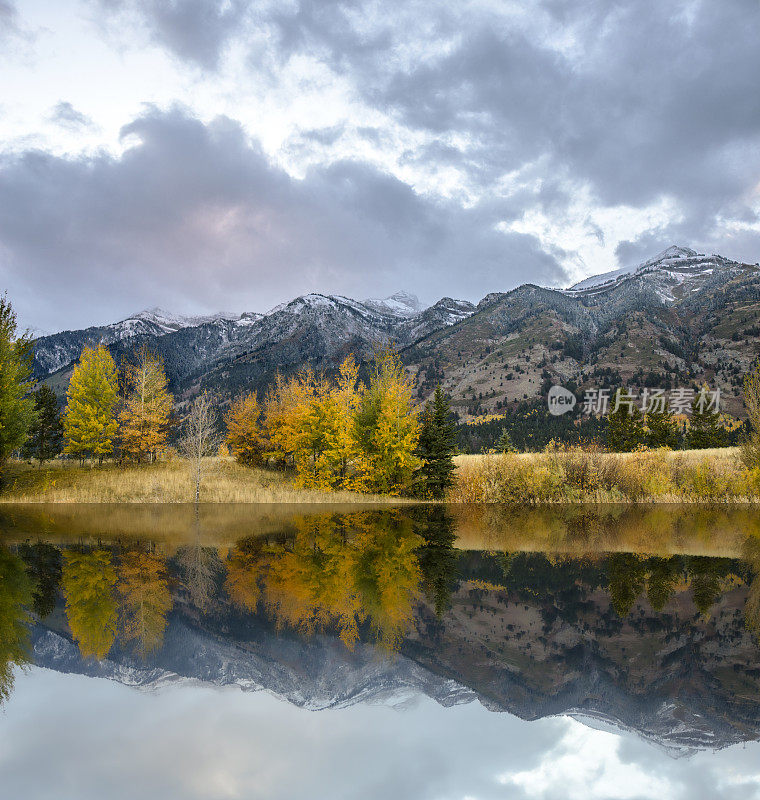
point(645, 617)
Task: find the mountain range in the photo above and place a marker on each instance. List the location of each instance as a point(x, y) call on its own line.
point(670, 678)
point(679, 319)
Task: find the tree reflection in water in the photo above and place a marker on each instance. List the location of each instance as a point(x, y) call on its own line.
point(480, 593)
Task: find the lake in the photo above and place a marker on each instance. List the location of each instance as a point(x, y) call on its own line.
point(379, 652)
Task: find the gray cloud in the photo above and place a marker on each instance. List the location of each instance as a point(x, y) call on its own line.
point(9, 22)
point(642, 102)
point(193, 30)
point(630, 105)
point(65, 115)
point(205, 742)
point(195, 214)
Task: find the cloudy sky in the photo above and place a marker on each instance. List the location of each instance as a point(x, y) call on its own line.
point(218, 744)
point(228, 154)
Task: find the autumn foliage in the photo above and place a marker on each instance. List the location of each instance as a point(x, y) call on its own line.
point(147, 407)
point(343, 434)
point(334, 433)
point(89, 422)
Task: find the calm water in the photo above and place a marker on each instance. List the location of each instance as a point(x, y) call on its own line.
point(282, 652)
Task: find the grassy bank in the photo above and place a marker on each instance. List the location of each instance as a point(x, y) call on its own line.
point(224, 481)
point(568, 475)
point(572, 475)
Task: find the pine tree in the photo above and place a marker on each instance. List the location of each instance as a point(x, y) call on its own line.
point(89, 423)
point(16, 404)
point(147, 407)
point(244, 435)
point(662, 430)
point(437, 447)
point(46, 433)
point(704, 430)
point(505, 445)
point(625, 428)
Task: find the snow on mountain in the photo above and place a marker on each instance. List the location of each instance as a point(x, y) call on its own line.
point(174, 322)
point(327, 321)
point(316, 674)
point(673, 274)
point(402, 304)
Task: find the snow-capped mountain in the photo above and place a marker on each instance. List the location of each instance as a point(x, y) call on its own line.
point(673, 274)
point(316, 674)
point(319, 673)
point(682, 315)
point(313, 328)
point(58, 350)
point(403, 304)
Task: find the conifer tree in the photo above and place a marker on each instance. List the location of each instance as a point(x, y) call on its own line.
point(438, 558)
point(662, 430)
point(147, 407)
point(625, 572)
point(436, 447)
point(505, 444)
point(704, 430)
point(625, 427)
point(89, 422)
point(16, 404)
point(46, 433)
point(244, 435)
point(43, 565)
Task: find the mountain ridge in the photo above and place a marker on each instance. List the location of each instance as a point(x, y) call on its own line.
point(680, 318)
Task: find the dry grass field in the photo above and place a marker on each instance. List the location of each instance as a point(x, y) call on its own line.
point(568, 475)
point(562, 475)
point(224, 481)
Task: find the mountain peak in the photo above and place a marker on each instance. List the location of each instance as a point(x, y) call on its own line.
point(674, 251)
point(665, 259)
point(400, 303)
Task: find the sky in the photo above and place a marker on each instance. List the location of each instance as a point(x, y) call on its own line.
point(193, 741)
point(207, 155)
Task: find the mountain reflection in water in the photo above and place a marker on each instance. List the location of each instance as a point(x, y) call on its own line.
point(646, 618)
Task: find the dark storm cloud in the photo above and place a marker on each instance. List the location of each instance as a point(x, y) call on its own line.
point(645, 101)
point(192, 215)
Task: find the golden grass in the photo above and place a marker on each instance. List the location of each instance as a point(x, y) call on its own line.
point(571, 475)
point(224, 481)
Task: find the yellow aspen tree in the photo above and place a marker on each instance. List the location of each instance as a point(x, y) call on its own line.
point(89, 422)
point(347, 467)
point(387, 427)
point(244, 434)
point(244, 570)
point(147, 406)
point(88, 583)
point(144, 600)
point(316, 421)
point(280, 413)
